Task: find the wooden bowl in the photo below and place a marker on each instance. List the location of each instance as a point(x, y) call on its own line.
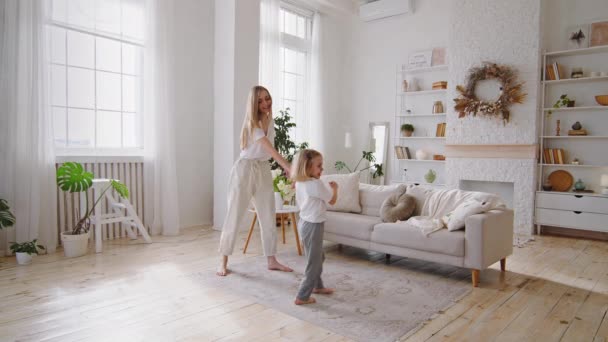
point(561, 180)
point(602, 99)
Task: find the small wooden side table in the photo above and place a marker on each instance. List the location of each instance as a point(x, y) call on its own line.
point(290, 210)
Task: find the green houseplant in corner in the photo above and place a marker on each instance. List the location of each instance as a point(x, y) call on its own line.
point(73, 177)
point(24, 251)
point(282, 141)
point(375, 168)
point(7, 219)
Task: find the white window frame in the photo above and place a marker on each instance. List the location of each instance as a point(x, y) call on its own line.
point(85, 152)
point(299, 44)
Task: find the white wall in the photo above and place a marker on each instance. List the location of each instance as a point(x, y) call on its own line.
point(377, 47)
point(194, 109)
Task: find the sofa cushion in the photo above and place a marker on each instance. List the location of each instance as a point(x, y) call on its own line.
point(348, 192)
point(404, 235)
point(352, 225)
point(420, 193)
point(397, 207)
point(372, 196)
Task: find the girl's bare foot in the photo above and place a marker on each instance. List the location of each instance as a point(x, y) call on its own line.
point(222, 269)
point(275, 265)
point(310, 300)
point(325, 291)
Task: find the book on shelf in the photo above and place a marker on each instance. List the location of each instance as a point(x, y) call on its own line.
point(554, 156)
point(555, 71)
point(402, 152)
point(440, 132)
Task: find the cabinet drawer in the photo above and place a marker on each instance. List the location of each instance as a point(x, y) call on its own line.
point(589, 204)
point(572, 219)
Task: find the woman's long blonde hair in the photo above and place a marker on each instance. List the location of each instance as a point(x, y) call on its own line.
point(302, 162)
point(252, 116)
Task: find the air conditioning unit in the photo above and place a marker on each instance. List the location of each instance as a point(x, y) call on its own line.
point(384, 8)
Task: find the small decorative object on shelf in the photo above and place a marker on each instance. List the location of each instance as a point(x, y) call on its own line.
point(438, 157)
point(547, 185)
point(576, 73)
point(604, 184)
point(440, 85)
point(557, 129)
point(411, 84)
point(577, 130)
point(602, 100)
point(421, 154)
point(579, 185)
point(563, 101)
point(430, 176)
point(437, 107)
point(404, 175)
point(511, 92)
point(575, 161)
point(407, 130)
point(404, 86)
point(578, 36)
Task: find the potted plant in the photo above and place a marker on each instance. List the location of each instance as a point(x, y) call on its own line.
point(407, 130)
point(282, 142)
point(283, 188)
point(563, 101)
point(369, 156)
point(7, 219)
point(24, 251)
point(73, 177)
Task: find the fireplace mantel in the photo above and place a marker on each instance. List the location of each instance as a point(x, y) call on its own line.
point(492, 151)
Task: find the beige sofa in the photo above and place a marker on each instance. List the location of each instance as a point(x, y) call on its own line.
point(486, 239)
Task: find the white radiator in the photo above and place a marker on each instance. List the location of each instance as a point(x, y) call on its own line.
point(69, 205)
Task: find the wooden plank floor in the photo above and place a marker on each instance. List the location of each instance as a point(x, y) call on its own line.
point(555, 289)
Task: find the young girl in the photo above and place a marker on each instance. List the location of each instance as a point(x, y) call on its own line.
point(250, 178)
point(312, 196)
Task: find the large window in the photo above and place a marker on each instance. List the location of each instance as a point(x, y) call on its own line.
point(96, 69)
point(296, 31)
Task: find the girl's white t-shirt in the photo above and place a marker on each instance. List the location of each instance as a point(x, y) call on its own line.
point(255, 150)
point(312, 197)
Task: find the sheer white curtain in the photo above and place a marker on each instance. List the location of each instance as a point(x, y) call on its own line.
point(27, 170)
point(270, 48)
point(160, 176)
point(315, 95)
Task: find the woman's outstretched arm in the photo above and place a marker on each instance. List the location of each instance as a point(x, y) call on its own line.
point(275, 154)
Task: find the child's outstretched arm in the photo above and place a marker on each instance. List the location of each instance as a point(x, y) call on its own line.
point(334, 197)
point(275, 155)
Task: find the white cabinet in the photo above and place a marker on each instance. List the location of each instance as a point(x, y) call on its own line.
point(569, 210)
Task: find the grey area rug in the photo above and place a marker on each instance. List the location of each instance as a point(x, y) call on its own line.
point(373, 301)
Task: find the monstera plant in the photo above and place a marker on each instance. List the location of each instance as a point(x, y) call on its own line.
point(7, 219)
point(73, 177)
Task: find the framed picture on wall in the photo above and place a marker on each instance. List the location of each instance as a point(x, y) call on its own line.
point(420, 59)
point(599, 33)
point(578, 36)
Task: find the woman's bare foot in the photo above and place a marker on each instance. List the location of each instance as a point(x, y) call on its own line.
point(222, 269)
point(325, 291)
point(275, 265)
point(310, 300)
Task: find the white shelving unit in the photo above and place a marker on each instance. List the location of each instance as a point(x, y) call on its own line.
point(574, 210)
point(416, 107)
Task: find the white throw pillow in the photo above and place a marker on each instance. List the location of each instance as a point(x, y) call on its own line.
point(455, 219)
point(373, 196)
point(348, 192)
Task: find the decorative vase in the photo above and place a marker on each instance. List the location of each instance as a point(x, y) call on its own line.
point(23, 258)
point(577, 125)
point(75, 245)
point(547, 185)
point(278, 201)
point(437, 107)
point(411, 84)
point(430, 176)
point(421, 155)
point(579, 185)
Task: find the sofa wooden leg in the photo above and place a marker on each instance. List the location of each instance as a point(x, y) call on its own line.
point(503, 264)
point(475, 277)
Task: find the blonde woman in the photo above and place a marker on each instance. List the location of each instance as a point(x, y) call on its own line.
point(312, 196)
point(250, 178)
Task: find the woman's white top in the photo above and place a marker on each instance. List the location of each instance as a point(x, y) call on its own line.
point(312, 197)
point(255, 150)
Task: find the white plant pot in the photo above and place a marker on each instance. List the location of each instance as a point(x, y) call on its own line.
point(75, 245)
point(23, 258)
point(278, 201)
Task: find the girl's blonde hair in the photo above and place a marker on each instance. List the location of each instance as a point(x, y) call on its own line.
point(302, 162)
point(252, 116)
